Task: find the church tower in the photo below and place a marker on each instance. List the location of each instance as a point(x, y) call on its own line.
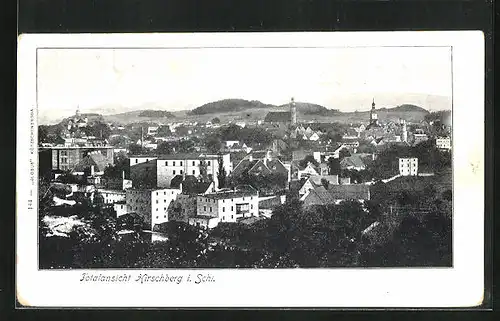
point(405, 132)
point(373, 114)
point(77, 113)
point(293, 112)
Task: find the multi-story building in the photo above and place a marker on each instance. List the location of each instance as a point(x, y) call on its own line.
point(408, 166)
point(229, 206)
point(161, 169)
point(151, 204)
point(112, 196)
point(443, 143)
point(66, 158)
point(120, 208)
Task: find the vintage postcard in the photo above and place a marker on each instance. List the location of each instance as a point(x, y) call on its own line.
point(320, 170)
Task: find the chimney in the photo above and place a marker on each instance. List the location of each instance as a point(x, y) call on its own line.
point(250, 157)
point(92, 170)
point(123, 175)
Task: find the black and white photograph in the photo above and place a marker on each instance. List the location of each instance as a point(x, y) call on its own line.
point(233, 157)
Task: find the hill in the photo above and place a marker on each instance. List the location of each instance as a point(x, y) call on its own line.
point(228, 105)
point(408, 112)
point(156, 114)
point(151, 116)
point(312, 109)
point(234, 110)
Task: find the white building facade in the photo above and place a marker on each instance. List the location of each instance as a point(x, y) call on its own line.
point(151, 204)
point(169, 166)
point(443, 143)
point(215, 208)
point(112, 196)
point(408, 166)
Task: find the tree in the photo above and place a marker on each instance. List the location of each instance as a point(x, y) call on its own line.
point(165, 148)
point(213, 145)
point(163, 131)
point(325, 183)
point(344, 153)
point(215, 120)
point(121, 165)
point(333, 166)
point(99, 130)
point(308, 159)
point(203, 171)
point(42, 134)
point(136, 149)
point(221, 175)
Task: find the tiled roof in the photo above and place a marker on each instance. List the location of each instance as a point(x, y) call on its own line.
point(340, 192)
point(242, 167)
point(278, 116)
point(230, 194)
point(332, 179)
point(92, 159)
point(276, 166)
point(187, 156)
point(354, 160)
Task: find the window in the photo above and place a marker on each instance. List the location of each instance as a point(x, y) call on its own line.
point(231, 216)
point(208, 163)
point(251, 206)
point(232, 208)
point(157, 217)
point(173, 163)
point(172, 192)
point(210, 208)
point(164, 216)
point(194, 172)
point(157, 209)
point(181, 164)
point(173, 172)
point(156, 193)
point(64, 153)
point(164, 201)
point(166, 163)
point(182, 172)
point(223, 209)
point(204, 208)
point(164, 208)
point(156, 201)
point(194, 163)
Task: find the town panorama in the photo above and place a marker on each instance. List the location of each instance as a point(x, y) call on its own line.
point(266, 187)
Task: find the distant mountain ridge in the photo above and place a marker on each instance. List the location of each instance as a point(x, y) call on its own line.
point(252, 110)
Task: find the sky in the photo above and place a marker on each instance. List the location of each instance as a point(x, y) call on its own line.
point(120, 80)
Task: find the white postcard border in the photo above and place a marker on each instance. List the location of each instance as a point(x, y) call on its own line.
point(460, 286)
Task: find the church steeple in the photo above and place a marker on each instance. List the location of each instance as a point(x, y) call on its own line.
point(293, 112)
point(373, 115)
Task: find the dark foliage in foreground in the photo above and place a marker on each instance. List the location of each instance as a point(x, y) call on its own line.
point(324, 236)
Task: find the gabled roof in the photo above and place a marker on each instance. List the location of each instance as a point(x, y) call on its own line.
point(92, 159)
point(190, 185)
point(242, 166)
point(260, 167)
point(277, 166)
point(321, 196)
point(354, 160)
point(316, 179)
point(278, 116)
